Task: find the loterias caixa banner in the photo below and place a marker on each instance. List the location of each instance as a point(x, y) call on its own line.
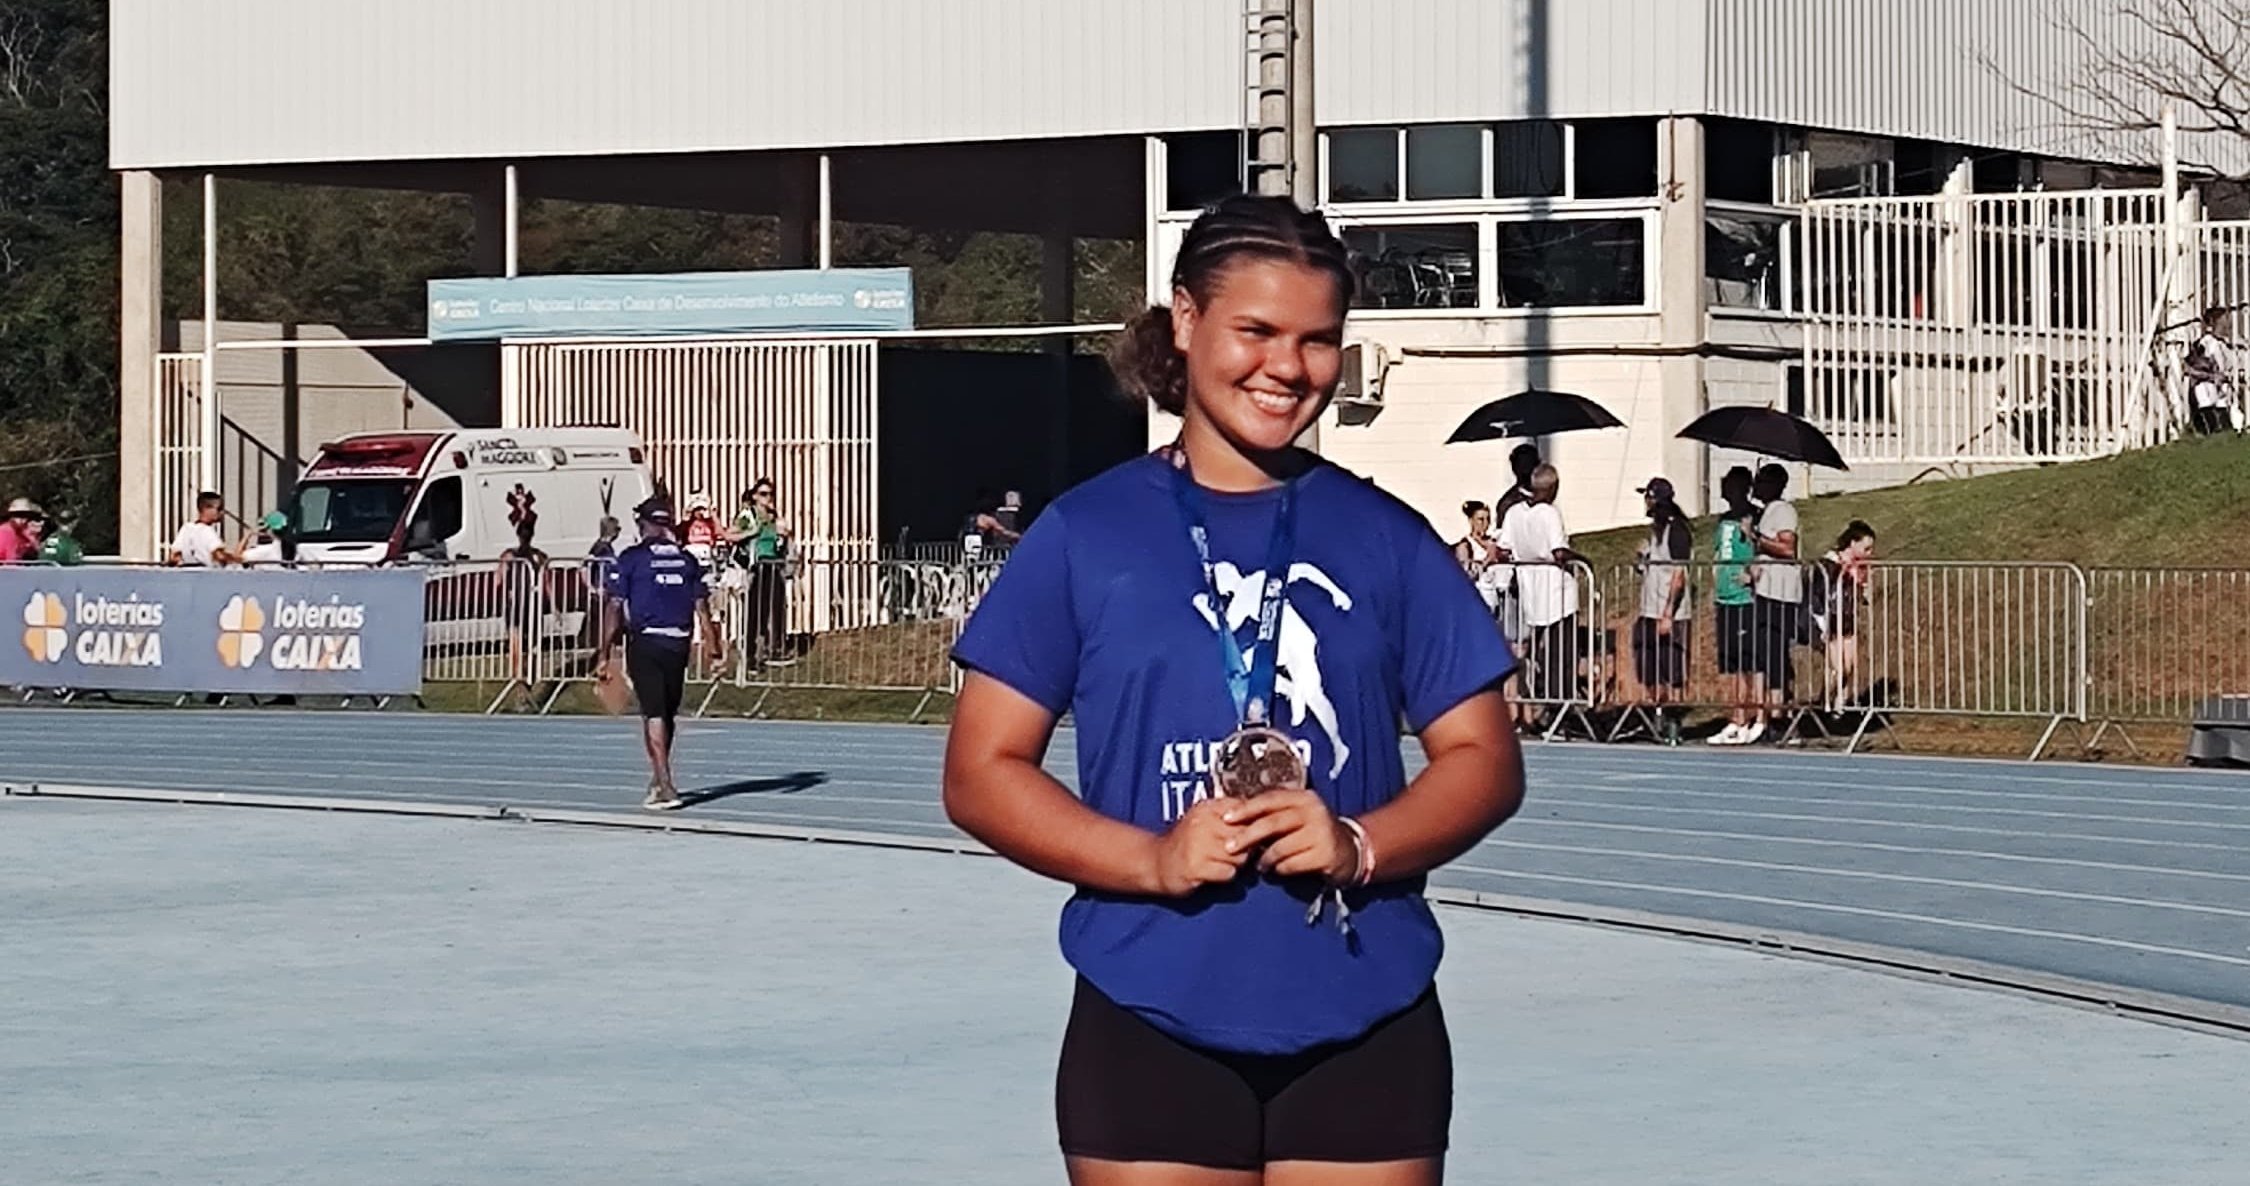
point(311, 632)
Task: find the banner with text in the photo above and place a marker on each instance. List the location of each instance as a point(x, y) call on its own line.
point(327, 632)
point(841, 300)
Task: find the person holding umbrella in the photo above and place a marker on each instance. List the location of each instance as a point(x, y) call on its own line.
point(1779, 586)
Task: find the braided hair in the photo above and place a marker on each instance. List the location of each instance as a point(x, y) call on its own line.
point(1245, 226)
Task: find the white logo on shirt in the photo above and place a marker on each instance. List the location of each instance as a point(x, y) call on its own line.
point(1296, 648)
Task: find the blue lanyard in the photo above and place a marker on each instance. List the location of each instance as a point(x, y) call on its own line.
point(1251, 687)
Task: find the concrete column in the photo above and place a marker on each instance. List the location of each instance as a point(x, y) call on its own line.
point(140, 336)
point(1683, 304)
point(800, 211)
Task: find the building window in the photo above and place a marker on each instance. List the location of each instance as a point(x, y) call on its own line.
point(1738, 161)
point(1444, 161)
point(1615, 158)
point(1201, 168)
point(1858, 396)
point(1363, 165)
point(1572, 263)
point(1414, 267)
point(1527, 159)
point(1847, 166)
point(1742, 259)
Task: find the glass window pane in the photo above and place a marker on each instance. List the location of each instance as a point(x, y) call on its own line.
point(1548, 265)
point(1527, 159)
point(1849, 166)
point(1616, 158)
point(1445, 162)
point(1201, 168)
point(1414, 267)
point(1738, 161)
point(1742, 261)
point(1363, 165)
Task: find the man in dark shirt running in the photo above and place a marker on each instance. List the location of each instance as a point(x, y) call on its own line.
point(656, 592)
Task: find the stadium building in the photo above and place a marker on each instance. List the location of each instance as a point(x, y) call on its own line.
point(1608, 197)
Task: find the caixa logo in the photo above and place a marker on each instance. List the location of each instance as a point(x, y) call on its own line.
point(45, 633)
point(240, 637)
point(305, 635)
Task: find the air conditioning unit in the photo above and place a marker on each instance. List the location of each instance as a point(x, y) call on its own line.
point(1359, 391)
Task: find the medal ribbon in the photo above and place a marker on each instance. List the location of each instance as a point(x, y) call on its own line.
point(1251, 686)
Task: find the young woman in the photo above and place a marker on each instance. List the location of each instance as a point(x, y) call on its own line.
point(522, 582)
point(1660, 634)
point(1255, 998)
point(1476, 553)
point(1842, 591)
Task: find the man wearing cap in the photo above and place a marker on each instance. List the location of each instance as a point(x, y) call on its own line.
point(657, 602)
point(19, 533)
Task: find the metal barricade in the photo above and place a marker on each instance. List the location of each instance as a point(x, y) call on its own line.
point(1553, 617)
point(525, 626)
point(2167, 646)
point(1840, 657)
point(848, 625)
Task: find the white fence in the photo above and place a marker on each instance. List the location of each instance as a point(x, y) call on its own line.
point(1996, 328)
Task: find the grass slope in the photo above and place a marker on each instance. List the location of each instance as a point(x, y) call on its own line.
point(2184, 505)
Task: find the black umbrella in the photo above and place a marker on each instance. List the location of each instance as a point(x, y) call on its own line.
point(1533, 414)
point(1767, 432)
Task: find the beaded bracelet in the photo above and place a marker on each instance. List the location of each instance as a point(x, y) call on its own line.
point(1364, 871)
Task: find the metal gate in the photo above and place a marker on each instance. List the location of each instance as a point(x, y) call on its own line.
point(178, 463)
point(719, 414)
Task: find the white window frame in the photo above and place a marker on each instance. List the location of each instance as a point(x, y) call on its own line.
point(1487, 216)
point(1790, 218)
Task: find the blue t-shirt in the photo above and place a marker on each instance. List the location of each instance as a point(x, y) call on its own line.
point(1102, 610)
point(660, 584)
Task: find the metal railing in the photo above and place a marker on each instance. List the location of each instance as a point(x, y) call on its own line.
point(2166, 645)
point(1552, 616)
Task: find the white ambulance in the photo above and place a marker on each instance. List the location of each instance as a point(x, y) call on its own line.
point(381, 498)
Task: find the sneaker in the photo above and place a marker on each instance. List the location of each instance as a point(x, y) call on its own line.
point(1751, 735)
point(659, 799)
point(1731, 735)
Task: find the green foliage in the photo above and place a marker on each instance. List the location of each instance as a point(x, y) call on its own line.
point(58, 285)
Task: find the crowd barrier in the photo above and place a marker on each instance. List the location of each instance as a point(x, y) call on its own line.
point(2100, 649)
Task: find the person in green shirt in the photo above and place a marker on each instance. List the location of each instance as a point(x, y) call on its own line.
point(1734, 545)
point(60, 546)
point(761, 541)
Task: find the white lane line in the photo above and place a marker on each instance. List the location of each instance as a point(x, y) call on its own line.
point(1933, 765)
point(1963, 792)
point(1872, 846)
point(1970, 808)
point(473, 776)
point(1862, 911)
point(1871, 875)
point(1797, 817)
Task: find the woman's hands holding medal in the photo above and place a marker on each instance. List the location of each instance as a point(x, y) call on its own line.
point(1299, 836)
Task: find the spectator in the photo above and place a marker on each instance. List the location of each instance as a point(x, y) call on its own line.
point(1522, 460)
point(265, 545)
point(199, 544)
point(1841, 583)
point(762, 538)
point(2210, 375)
point(59, 546)
point(1476, 553)
point(1538, 547)
point(19, 534)
point(701, 534)
point(1733, 546)
point(1780, 588)
point(522, 584)
point(994, 525)
point(1660, 634)
point(604, 551)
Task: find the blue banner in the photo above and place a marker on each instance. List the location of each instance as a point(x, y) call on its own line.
point(327, 632)
point(840, 301)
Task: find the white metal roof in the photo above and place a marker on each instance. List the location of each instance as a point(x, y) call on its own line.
point(246, 82)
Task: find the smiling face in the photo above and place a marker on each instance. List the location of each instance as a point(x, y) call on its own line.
point(1264, 350)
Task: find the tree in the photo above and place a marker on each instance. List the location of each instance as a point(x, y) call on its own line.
point(2131, 59)
point(58, 273)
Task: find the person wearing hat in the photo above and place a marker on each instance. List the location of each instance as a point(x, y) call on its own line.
point(657, 603)
point(265, 546)
point(19, 533)
point(1660, 634)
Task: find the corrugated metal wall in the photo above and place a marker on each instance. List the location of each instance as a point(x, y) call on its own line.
point(1912, 68)
point(214, 82)
point(259, 81)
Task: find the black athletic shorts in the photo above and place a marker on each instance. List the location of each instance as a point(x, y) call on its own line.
point(1660, 661)
point(1774, 634)
point(1127, 1091)
point(658, 669)
point(1734, 646)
